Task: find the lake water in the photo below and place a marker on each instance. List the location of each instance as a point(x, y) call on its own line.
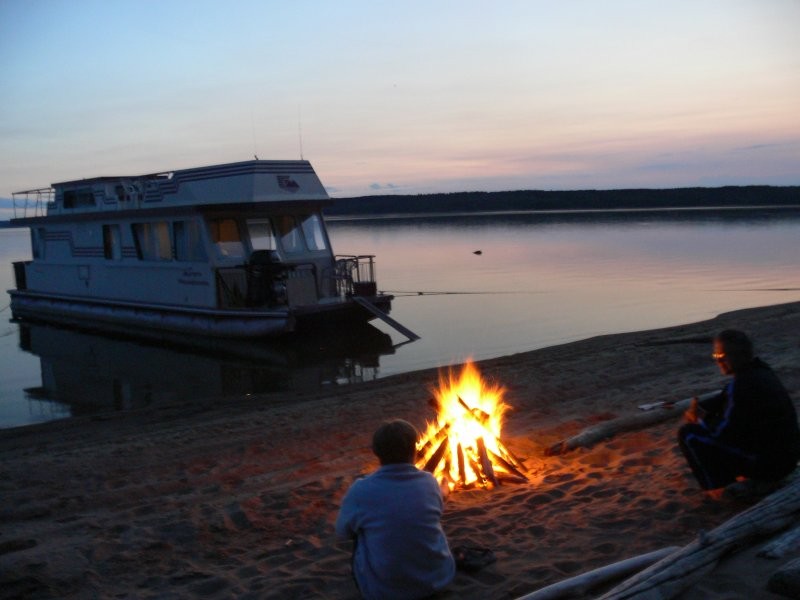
point(539, 280)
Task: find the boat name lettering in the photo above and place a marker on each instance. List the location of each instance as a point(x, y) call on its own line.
point(190, 277)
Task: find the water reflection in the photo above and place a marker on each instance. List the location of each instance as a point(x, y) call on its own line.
point(544, 279)
point(541, 279)
point(90, 373)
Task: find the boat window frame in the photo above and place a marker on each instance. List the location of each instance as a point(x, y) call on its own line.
point(144, 245)
point(296, 249)
point(270, 228)
point(78, 198)
point(38, 243)
point(188, 245)
point(318, 232)
point(112, 241)
point(226, 252)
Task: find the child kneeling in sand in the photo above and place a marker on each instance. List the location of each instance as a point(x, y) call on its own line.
point(394, 518)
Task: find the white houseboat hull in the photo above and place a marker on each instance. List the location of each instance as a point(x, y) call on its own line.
point(226, 251)
point(129, 317)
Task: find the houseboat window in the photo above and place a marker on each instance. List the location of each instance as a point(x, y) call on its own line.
point(289, 232)
point(112, 242)
point(315, 236)
point(78, 198)
point(152, 241)
point(225, 234)
point(37, 242)
point(261, 236)
point(188, 241)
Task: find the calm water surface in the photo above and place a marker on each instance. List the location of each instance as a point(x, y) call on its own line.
point(539, 280)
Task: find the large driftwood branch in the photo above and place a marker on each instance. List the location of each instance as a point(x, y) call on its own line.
point(670, 576)
point(786, 580)
point(591, 435)
point(580, 584)
point(786, 543)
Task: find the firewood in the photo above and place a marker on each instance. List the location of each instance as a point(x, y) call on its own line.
point(505, 478)
point(476, 413)
point(486, 464)
point(591, 435)
point(476, 467)
point(433, 440)
point(462, 474)
point(506, 465)
point(510, 456)
point(478, 459)
point(678, 571)
point(430, 466)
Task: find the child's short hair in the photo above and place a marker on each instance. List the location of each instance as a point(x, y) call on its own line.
point(395, 442)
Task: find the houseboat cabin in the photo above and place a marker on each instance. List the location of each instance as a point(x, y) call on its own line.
point(234, 250)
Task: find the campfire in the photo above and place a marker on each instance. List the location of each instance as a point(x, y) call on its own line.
point(462, 447)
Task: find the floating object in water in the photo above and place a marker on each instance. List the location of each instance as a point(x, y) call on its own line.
point(478, 252)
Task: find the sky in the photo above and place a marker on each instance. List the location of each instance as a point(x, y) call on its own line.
point(405, 97)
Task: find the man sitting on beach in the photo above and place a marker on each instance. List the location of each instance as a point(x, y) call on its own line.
point(748, 432)
point(394, 518)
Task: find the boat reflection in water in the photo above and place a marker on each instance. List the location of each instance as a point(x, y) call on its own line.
point(93, 373)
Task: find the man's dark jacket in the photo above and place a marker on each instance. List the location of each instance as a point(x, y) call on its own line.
point(755, 413)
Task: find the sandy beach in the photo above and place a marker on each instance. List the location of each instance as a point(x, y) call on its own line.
point(239, 500)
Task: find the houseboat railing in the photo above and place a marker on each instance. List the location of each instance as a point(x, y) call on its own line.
point(32, 203)
point(354, 275)
point(266, 282)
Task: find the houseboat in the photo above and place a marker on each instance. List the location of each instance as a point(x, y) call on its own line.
point(226, 251)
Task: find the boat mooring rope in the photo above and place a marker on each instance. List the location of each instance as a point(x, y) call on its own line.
point(430, 293)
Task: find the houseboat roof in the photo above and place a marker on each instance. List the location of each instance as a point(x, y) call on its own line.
point(248, 182)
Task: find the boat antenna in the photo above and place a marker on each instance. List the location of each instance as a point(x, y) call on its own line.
point(300, 131)
point(253, 129)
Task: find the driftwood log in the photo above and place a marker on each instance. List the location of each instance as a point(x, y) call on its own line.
point(782, 545)
point(581, 584)
point(591, 435)
point(786, 581)
point(678, 571)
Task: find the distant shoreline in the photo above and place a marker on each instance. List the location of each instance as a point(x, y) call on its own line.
point(533, 201)
point(522, 202)
point(366, 216)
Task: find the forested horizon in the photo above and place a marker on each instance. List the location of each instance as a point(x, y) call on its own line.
point(525, 200)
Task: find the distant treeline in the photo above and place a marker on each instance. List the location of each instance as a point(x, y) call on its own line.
point(524, 200)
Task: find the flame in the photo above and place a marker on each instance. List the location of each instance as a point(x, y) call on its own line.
point(466, 432)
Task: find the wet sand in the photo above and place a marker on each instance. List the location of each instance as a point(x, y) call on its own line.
point(239, 501)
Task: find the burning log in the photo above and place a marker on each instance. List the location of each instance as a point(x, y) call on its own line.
point(486, 464)
point(436, 457)
point(462, 447)
point(462, 475)
point(507, 465)
point(432, 441)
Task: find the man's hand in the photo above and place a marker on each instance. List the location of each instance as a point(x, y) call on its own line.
point(694, 413)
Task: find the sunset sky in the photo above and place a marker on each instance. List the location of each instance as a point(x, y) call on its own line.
point(405, 97)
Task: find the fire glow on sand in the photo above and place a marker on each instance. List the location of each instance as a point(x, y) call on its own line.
point(462, 446)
